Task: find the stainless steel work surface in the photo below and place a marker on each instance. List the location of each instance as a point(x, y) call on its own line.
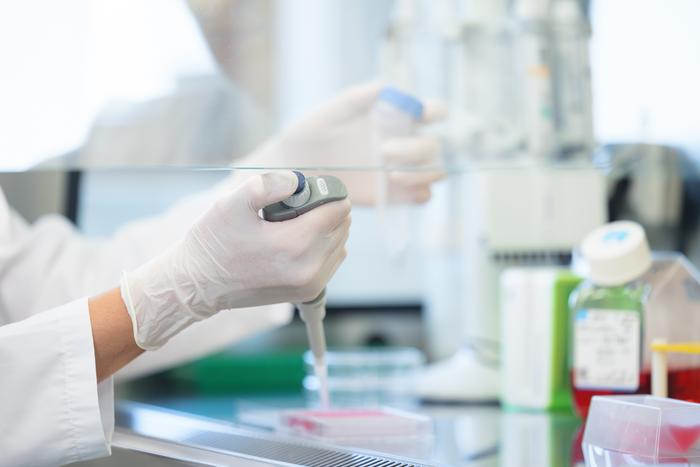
point(220, 431)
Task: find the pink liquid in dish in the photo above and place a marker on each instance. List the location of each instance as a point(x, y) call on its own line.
point(685, 437)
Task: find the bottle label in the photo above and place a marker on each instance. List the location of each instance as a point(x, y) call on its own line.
point(607, 349)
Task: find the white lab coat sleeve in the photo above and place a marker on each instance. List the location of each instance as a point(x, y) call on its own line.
point(63, 265)
point(49, 263)
point(52, 410)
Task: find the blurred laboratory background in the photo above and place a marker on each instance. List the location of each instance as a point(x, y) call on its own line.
point(562, 115)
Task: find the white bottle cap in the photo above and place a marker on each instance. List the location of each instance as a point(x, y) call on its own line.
point(616, 253)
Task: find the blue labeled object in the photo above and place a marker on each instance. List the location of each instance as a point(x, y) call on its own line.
point(615, 236)
point(402, 101)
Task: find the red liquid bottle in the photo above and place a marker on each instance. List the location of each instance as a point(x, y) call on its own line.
point(607, 316)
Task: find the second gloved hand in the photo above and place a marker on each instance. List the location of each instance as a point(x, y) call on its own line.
point(232, 258)
point(341, 134)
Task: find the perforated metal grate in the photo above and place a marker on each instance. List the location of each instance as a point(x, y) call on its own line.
point(290, 453)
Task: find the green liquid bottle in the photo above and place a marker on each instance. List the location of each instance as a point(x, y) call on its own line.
point(607, 315)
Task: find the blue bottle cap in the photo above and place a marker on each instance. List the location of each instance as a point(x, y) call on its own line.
point(402, 101)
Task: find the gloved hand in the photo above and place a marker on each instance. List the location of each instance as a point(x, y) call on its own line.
point(341, 134)
point(232, 258)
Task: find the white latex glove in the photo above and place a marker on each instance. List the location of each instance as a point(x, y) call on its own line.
point(231, 258)
point(342, 133)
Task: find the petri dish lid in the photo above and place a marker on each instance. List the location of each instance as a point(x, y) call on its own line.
point(643, 426)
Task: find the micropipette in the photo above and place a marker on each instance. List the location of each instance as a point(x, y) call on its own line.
point(311, 192)
point(312, 313)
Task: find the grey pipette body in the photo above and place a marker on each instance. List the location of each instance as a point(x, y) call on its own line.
point(311, 192)
point(312, 313)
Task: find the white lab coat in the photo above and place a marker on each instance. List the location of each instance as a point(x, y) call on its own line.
point(51, 409)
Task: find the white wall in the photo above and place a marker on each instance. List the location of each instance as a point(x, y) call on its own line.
point(646, 70)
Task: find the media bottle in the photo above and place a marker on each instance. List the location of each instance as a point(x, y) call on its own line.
point(607, 315)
